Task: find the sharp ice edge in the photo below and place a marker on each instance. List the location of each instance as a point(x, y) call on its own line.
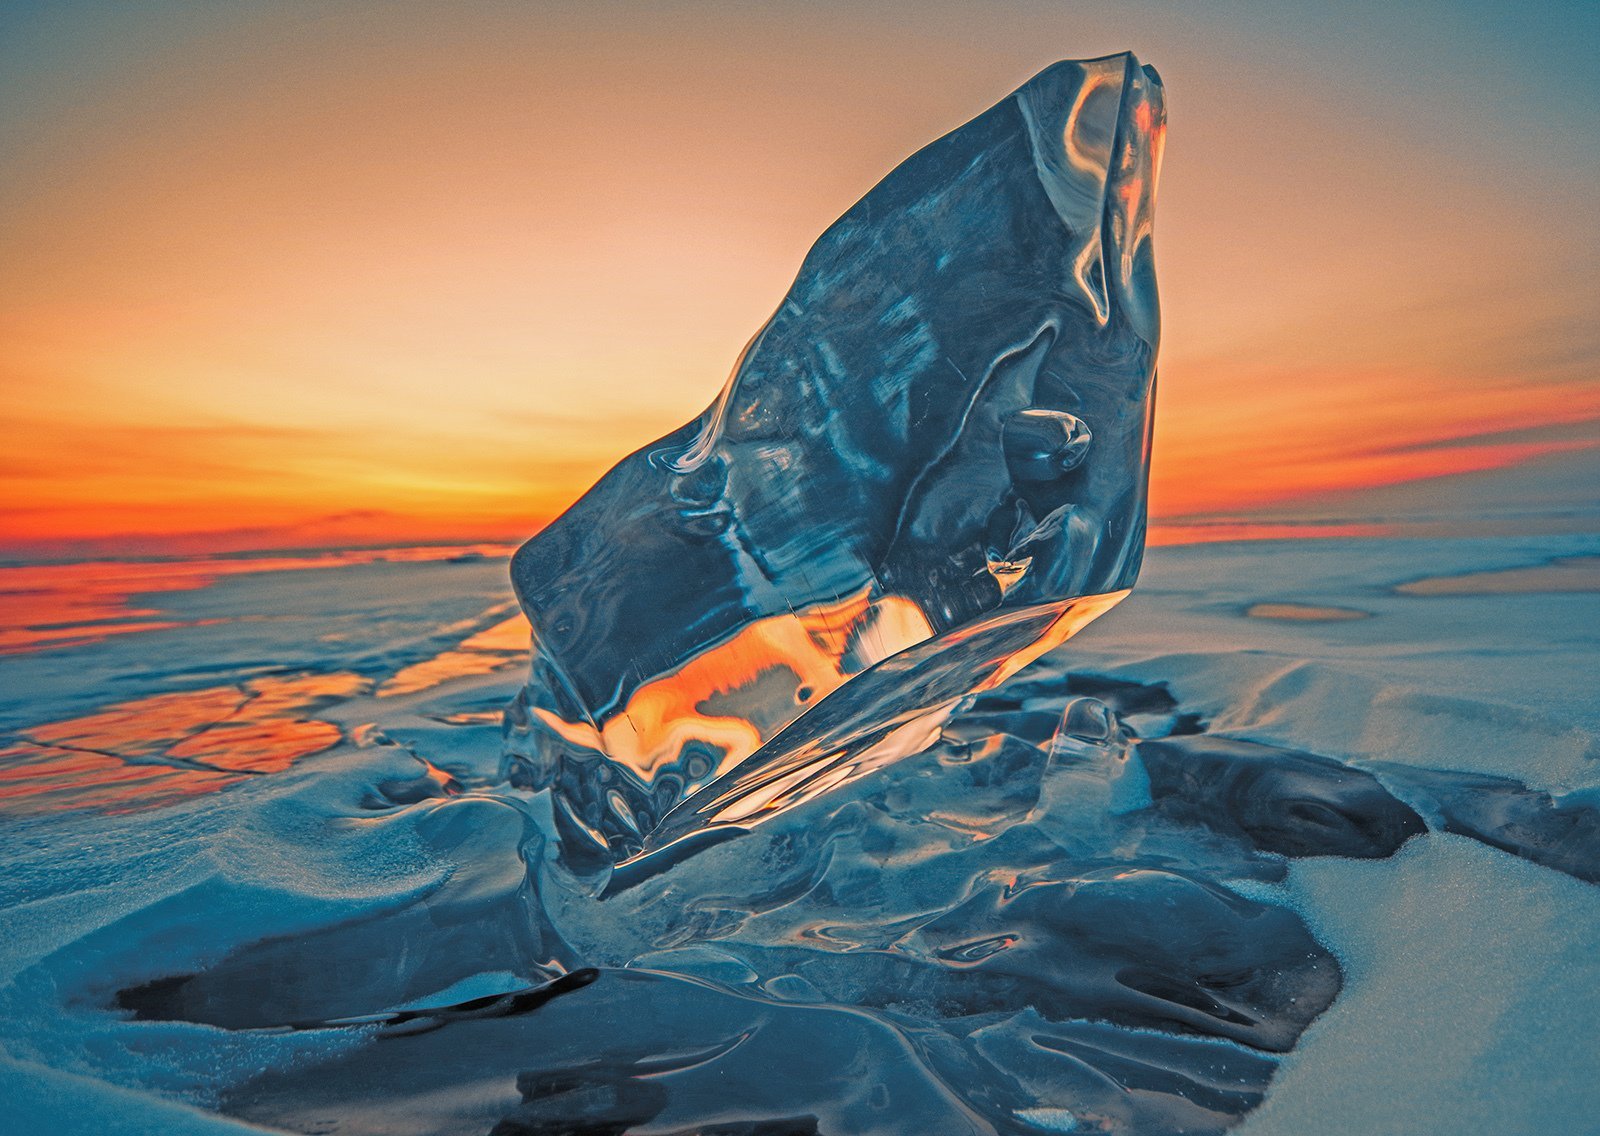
point(939, 441)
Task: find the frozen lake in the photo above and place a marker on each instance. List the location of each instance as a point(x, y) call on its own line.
point(240, 795)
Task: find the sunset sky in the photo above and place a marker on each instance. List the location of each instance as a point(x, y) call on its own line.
point(286, 274)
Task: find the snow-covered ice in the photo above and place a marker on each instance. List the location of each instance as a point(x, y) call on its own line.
point(144, 945)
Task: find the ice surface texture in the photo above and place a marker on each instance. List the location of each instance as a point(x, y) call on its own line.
point(941, 437)
point(1109, 898)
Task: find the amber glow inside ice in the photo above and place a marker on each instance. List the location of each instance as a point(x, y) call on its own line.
point(938, 445)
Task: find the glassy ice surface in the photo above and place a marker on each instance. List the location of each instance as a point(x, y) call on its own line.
point(940, 438)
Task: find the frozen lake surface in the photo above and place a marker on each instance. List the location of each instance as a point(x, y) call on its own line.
point(1300, 838)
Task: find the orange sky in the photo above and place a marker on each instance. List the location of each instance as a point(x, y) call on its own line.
point(280, 275)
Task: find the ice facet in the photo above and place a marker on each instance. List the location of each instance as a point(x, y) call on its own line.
point(927, 469)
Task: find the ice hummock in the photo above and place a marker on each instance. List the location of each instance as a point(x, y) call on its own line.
point(940, 438)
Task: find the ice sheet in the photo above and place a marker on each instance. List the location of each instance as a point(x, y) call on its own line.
point(360, 879)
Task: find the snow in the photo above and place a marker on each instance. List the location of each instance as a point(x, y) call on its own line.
point(1471, 997)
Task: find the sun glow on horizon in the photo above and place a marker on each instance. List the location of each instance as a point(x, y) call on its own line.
point(380, 277)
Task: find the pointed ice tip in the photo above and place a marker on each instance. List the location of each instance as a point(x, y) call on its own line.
point(1095, 128)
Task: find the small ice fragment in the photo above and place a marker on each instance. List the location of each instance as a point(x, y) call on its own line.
point(1087, 720)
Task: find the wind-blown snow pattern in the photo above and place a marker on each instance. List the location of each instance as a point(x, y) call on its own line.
point(1303, 837)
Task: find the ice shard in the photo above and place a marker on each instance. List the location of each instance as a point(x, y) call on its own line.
point(927, 469)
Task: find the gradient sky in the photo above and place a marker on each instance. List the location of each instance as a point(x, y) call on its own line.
point(292, 273)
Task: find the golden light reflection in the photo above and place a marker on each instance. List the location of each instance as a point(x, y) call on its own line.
point(766, 676)
point(503, 645)
point(157, 750)
point(903, 710)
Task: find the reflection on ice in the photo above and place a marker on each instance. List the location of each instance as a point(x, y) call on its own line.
point(896, 710)
point(1309, 613)
point(484, 652)
point(155, 750)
